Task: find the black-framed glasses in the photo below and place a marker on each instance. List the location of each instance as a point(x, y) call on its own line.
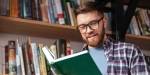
point(92, 25)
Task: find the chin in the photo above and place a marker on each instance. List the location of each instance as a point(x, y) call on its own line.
point(93, 43)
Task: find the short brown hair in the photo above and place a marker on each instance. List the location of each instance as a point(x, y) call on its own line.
point(89, 7)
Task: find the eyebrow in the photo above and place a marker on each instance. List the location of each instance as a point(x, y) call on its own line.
point(92, 21)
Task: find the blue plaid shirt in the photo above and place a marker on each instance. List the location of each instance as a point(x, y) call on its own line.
point(124, 59)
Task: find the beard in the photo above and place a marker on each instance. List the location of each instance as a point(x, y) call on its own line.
point(95, 41)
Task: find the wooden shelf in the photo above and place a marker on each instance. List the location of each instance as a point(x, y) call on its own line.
point(46, 30)
point(142, 41)
point(37, 28)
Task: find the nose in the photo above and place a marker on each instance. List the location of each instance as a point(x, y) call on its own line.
point(89, 29)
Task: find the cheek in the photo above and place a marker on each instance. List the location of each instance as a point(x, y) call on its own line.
point(101, 33)
point(83, 36)
point(101, 29)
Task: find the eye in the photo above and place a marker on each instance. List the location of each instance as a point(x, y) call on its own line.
point(93, 23)
point(81, 26)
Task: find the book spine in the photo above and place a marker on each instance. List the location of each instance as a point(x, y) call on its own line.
point(2, 62)
point(3, 7)
point(135, 26)
point(14, 8)
point(21, 8)
point(21, 60)
point(59, 10)
point(6, 60)
point(54, 50)
point(61, 47)
point(69, 50)
point(48, 68)
point(12, 57)
point(148, 13)
point(44, 11)
point(71, 15)
point(18, 61)
point(35, 58)
point(47, 54)
point(51, 11)
point(25, 7)
point(30, 56)
point(36, 11)
point(26, 60)
point(42, 61)
point(145, 17)
point(65, 11)
point(139, 22)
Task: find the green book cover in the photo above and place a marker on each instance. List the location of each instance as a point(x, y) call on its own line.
point(76, 64)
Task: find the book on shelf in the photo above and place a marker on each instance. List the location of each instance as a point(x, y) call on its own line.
point(42, 61)
point(80, 63)
point(35, 58)
point(36, 11)
point(71, 14)
point(60, 47)
point(12, 57)
point(60, 14)
point(44, 10)
point(6, 71)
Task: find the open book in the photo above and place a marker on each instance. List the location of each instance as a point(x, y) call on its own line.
point(76, 64)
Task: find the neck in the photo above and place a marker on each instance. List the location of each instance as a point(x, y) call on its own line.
point(98, 46)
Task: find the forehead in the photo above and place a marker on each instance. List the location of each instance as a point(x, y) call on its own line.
point(85, 18)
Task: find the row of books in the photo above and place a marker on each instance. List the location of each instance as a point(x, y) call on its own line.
point(140, 23)
point(28, 58)
point(52, 11)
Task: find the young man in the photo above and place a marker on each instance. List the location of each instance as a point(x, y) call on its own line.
point(111, 57)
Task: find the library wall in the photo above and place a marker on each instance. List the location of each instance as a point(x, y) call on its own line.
point(43, 20)
point(4, 38)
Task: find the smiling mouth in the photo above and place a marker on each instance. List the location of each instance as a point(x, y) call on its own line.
point(92, 35)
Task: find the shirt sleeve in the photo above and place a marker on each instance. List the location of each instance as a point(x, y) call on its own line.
point(138, 63)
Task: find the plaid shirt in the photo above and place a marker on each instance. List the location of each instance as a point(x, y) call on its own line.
point(124, 59)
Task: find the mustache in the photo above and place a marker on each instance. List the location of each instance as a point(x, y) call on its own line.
point(91, 35)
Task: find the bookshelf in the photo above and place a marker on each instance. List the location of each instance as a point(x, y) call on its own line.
point(46, 30)
point(38, 29)
point(142, 41)
point(122, 19)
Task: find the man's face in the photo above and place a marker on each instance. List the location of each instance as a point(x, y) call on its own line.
point(92, 28)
